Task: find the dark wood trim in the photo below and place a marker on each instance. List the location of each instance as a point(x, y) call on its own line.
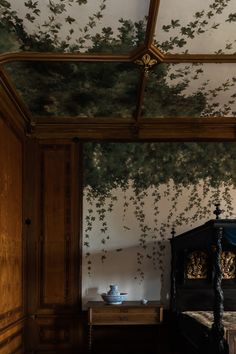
point(152, 18)
point(200, 58)
point(193, 58)
point(8, 314)
point(13, 324)
point(67, 223)
point(78, 217)
point(64, 57)
point(56, 329)
point(70, 57)
point(9, 339)
point(166, 129)
point(31, 197)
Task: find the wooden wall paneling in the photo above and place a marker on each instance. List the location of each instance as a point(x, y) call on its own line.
point(11, 239)
point(12, 340)
point(58, 334)
point(55, 318)
point(31, 197)
point(55, 226)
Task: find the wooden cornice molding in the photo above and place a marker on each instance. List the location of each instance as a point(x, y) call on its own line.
point(169, 129)
point(191, 58)
point(151, 24)
point(64, 57)
point(189, 129)
point(132, 56)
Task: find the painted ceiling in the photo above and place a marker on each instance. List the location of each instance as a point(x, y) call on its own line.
point(127, 60)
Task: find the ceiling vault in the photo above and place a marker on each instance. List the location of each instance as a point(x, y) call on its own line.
point(146, 72)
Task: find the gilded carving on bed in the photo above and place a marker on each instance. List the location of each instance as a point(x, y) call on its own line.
point(228, 259)
point(196, 267)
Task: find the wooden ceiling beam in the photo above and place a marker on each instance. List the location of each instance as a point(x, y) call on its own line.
point(192, 58)
point(151, 24)
point(181, 129)
point(63, 57)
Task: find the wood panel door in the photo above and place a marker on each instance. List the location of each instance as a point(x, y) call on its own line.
point(54, 248)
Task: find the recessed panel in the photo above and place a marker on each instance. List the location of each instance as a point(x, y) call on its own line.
point(190, 90)
point(197, 27)
point(73, 25)
point(86, 90)
point(11, 252)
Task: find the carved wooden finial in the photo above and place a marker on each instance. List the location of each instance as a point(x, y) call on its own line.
point(217, 211)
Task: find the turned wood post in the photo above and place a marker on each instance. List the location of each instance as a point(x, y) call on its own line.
point(173, 275)
point(218, 346)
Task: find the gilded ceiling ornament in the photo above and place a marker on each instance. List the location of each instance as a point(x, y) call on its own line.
point(228, 265)
point(196, 267)
point(146, 62)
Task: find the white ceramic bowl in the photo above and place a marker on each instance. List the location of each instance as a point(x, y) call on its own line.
point(114, 299)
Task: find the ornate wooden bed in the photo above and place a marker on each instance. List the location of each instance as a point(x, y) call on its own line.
point(203, 286)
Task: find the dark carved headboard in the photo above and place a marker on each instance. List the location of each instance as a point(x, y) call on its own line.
point(192, 273)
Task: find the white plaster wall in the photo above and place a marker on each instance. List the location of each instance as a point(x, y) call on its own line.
point(121, 267)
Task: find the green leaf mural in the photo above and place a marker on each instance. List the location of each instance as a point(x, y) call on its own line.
point(163, 172)
point(78, 90)
point(81, 26)
point(198, 27)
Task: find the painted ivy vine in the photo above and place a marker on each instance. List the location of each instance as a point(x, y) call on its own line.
point(204, 172)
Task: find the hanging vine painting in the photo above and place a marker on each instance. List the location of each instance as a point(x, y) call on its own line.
point(164, 185)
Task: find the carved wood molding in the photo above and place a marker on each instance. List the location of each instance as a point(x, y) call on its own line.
point(182, 129)
point(54, 334)
point(9, 341)
point(11, 313)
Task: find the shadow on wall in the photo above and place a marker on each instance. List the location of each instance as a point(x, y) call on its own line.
point(132, 269)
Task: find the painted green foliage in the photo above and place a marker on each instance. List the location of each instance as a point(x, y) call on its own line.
point(85, 90)
point(178, 33)
point(102, 89)
point(112, 165)
point(205, 171)
point(63, 30)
